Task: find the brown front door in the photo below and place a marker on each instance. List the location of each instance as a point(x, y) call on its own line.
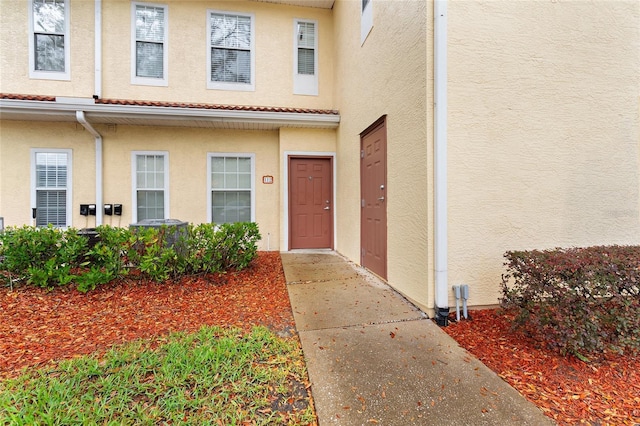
point(310, 202)
point(373, 174)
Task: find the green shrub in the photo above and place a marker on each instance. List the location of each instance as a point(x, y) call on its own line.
point(580, 300)
point(106, 259)
point(203, 256)
point(49, 256)
point(42, 256)
point(236, 244)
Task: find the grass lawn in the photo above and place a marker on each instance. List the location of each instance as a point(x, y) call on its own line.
point(214, 376)
point(213, 350)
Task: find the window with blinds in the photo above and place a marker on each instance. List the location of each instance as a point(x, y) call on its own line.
point(150, 185)
point(51, 187)
point(49, 53)
point(231, 185)
point(231, 55)
point(149, 46)
point(306, 47)
point(305, 66)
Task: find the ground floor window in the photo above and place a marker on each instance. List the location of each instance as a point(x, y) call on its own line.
point(150, 185)
point(231, 187)
point(51, 186)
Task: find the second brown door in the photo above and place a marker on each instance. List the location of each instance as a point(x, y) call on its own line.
point(373, 170)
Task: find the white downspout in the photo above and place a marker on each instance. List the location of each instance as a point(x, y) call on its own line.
point(99, 207)
point(97, 93)
point(440, 161)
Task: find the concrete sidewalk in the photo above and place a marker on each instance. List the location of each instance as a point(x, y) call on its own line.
point(373, 358)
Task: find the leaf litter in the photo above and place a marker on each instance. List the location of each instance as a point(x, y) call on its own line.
point(40, 327)
point(566, 389)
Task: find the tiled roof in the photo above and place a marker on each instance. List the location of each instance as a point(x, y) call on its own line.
point(27, 97)
point(179, 105)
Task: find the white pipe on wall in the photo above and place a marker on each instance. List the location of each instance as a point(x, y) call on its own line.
point(440, 154)
point(98, 140)
point(98, 49)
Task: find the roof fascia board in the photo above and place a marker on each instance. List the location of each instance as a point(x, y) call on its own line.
point(54, 109)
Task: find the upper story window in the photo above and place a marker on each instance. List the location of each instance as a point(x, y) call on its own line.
point(366, 19)
point(150, 172)
point(149, 45)
point(305, 63)
point(49, 39)
point(231, 55)
point(51, 186)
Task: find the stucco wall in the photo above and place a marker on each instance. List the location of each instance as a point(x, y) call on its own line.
point(386, 75)
point(14, 51)
point(188, 66)
point(187, 47)
point(543, 131)
point(17, 138)
point(187, 149)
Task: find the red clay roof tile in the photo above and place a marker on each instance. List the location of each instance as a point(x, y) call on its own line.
point(179, 104)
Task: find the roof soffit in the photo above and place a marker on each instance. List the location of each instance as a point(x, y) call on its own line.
point(184, 115)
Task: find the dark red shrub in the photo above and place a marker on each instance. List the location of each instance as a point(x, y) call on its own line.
point(579, 300)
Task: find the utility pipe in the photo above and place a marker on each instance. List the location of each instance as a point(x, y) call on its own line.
point(97, 92)
point(465, 298)
point(456, 291)
point(440, 161)
point(98, 139)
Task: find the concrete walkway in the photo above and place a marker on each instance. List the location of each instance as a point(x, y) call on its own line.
point(373, 358)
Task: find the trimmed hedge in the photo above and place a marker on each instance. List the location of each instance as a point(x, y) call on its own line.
point(579, 300)
point(48, 257)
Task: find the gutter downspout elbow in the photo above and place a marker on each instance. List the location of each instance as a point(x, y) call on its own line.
point(98, 140)
point(440, 162)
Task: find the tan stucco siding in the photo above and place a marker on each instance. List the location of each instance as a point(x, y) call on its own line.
point(543, 133)
point(16, 142)
point(187, 150)
point(386, 75)
point(14, 45)
point(187, 48)
point(187, 72)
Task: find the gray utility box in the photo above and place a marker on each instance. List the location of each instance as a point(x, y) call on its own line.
point(91, 235)
point(176, 229)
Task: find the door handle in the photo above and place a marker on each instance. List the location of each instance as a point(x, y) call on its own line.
point(381, 199)
point(326, 208)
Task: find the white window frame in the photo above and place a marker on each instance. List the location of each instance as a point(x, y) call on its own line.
point(50, 75)
point(252, 156)
point(305, 84)
point(68, 188)
point(366, 19)
point(223, 85)
point(150, 81)
point(134, 182)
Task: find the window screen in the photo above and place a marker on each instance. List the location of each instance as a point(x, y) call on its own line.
point(51, 188)
point(230, 42)
point(150, 34)
point(231, 187)
point(306, 48)
point(150, 186)
point(49, 29)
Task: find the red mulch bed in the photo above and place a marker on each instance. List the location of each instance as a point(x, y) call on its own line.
point(40, 326)
point(571, 392)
